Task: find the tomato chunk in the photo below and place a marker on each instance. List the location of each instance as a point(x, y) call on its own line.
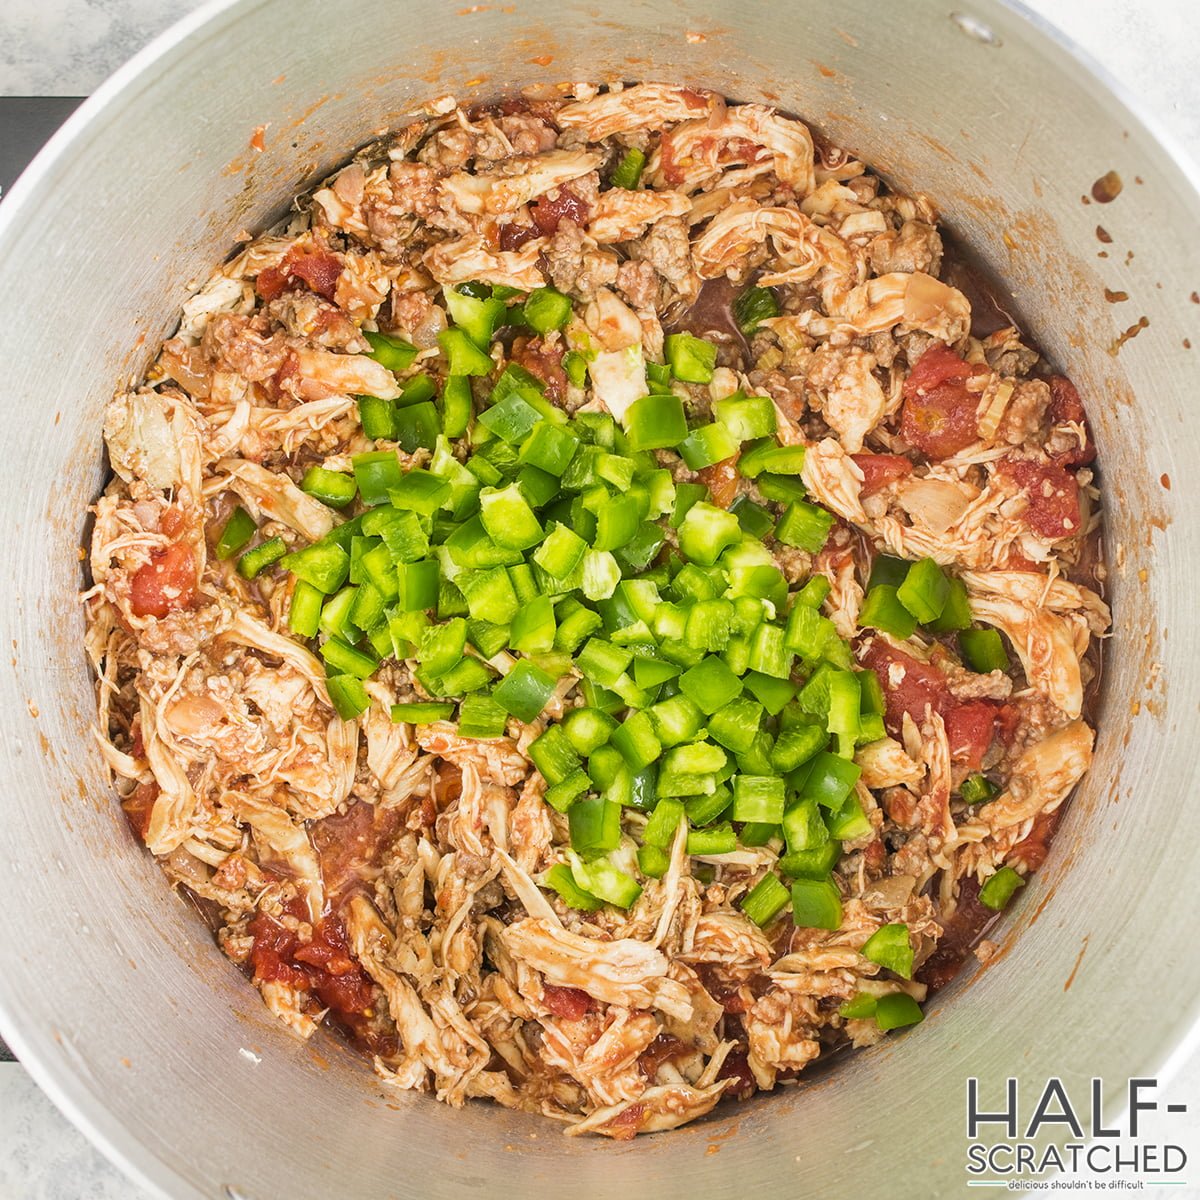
point(547, 212)
point(319, 269)
point(1067, 408)
point(970, 728)
point(881, 469)
point(323, 966)
point(544, 362)
point(513, 235)
point(721, 479)
point(737, 1067)
point(938, 417)
point(912, 686)
point(165, 583)
point(909, 685)
point(566, 1002)
point(1053, 496)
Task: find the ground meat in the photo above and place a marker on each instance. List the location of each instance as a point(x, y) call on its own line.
point(232, 342)
point(576, 264)
point(1026, 411)
point(304, 315)
point(414, 188)
point(414, 316)
point(667, 249)
point(638, 282)
point(528, 134)
point(915, 246)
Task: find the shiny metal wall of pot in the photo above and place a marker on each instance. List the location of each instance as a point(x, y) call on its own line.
point(112, 992)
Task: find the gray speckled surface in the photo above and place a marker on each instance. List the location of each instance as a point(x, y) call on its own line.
point(67, 47)
point(44, 1158)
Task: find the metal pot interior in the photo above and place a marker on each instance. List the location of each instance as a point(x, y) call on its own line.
point(113, 991)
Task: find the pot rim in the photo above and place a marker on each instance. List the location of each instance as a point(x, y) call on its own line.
point(120, 1144)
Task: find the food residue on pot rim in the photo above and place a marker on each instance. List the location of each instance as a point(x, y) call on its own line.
point(1115, 347)
point(1107, 188)
point(1103, 235)
point(1075, 968)
point(1115, 297)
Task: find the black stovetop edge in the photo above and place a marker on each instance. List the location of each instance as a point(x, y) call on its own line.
point(26, 123)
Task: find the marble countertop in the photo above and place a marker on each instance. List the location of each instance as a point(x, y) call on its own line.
point(66, 47)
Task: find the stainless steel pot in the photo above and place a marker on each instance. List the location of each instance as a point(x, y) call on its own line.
point(112, 992)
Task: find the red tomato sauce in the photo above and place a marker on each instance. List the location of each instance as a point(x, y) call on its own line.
point(167, 582)
point(1053, 496)
point(548, 212)
point(323, 967)
point(566, 1002)
point(938, 416)
point(881, 469)
point(970, 724)
point(319, 269)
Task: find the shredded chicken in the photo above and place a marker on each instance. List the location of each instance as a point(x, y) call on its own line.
point(397, 880)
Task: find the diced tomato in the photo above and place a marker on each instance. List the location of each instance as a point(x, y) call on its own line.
point(881, 469)
point(1036, 845)
point(1053, 496)
point(912, 686)
point(548, 212)
point(721, 479)
point(625, 1124)
point(172, 521)
point(271, 283)
point(328, 949)
point(1065, 404)
point(165, 583)
point(545, 362)
point(937, 366)
point(271, 952)
point(970, 728)
point(513, 235)
point(737, 1067)
point(909, 685)
point(323, 966)
point(566, 1002)
point(938, 417)
point(319, 269)
point(663, 1049)
point(1067, 408)
point(139, 806)
point(335, 976)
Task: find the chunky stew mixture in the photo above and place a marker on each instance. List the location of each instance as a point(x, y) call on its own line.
point(583, 614)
